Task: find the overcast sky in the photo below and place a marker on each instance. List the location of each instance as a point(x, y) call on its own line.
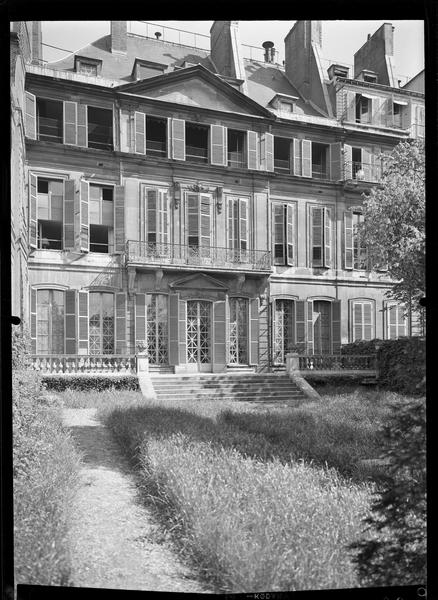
point(340, 39)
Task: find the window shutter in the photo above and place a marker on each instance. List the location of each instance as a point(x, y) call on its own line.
point(192, 201)
point(348, 239)
point(366, 165)
point(336, 326)
point(350, 106)
point(70, 123)
point(327, 237)
point(218, 140)
point(297, 157)
point(82, 125)
point(348, 162)
point(335, 161)
point(290, 234)
point(82, 231)
point(401, 321)
point(219, 356)
point(367, 321)
point(120, 322)
point(169, 137)
point(231, 220)
point(119, 218)
point(151, 236)
point(307, 158)
point(254, 331)
point(140, 133)
point(173, 329)
point(317, 234)
point(178, 139)
point(357, 321)
point(33, 319)
point(163, 220)
point(243, 224)
point(69, 214)
point(252, 147)
point(309, 327)
point(83, 335)
point(30, 116)
point(300, 320)
point(70, 322)
point(140, 321)
point(33, 212)
point(205, 221)
point(268, 157)
point(182, 332)
point(278, 234)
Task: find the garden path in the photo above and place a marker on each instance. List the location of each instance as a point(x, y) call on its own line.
point(115, 541)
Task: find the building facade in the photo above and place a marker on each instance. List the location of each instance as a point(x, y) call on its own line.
point(201, 204)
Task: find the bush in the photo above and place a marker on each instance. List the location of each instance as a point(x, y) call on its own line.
point(402, 365)
point(85, 382)
point(21, 347)
point(361, 347)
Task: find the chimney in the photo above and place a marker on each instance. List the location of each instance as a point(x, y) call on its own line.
point(377, 55)
point(36, 42)
point(226, 51)
point(269, 51)
point(118, 37)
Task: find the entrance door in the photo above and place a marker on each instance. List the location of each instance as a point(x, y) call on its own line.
point(199, 334)
point(321, 327)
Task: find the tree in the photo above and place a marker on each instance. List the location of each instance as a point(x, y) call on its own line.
point(393, 227)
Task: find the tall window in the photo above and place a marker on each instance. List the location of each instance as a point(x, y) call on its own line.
point(156, 136)
point(282, 155)
point(238, 331)
point(100, 128)
point(238, 227)
point(101, 218)
point(50, 322)
point(156, 226)
point(321, 236)
point(157, 330)
point(396, 321)
point(322, 319)
point(50, 120)
point(236, 148)
point(197, 143)
point(363, 109)
point(101, 323)
point(360, 255)
point(320, 160)
point(283, 233)
point(284, 329)
point(50, 199)
point(199, 223)
point(362, 320)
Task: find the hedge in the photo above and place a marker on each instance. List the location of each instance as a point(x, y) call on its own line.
point(402, 365)
point(362, 347)
point(85, 382)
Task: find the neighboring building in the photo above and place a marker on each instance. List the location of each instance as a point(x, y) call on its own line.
point(201, 203)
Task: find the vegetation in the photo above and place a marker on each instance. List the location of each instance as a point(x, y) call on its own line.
point(95, 382)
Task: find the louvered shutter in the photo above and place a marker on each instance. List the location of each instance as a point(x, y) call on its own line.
point(70, 123)
point(348, 162)
point(254, 331)
point(82, 125)
point(297, 157)
point(401, 321)
point(163, 221)
point(33, 319)
point(120, 322)
point(218, 140)
point(357, 321)
point(178, 139)
point(169, 137)
point(366, 164)
point(348, 239)
point(231, 221)
point(140, 133)
point(327, 237)
point(300, 323)
point(317, 236)
point(406, 117)
point(268, 151)
point(33, 211)
point(306, 158)
point(192, 219)
point(83, 335)
point(70, 322)
point(119, 218)
point(182, 332)
point(290, 234)
point(367, 321)
point(82, 231)
point(30, 116)
point(140, 321)
point(69, 214)
point(205, 214)
point(336, 326)
point(350, 106)
point(243, 224)
point(309, 310)
point(219, 355)
point(278, 234)
point(173, 329)
point(151, 196)
point(335, 161)
point(252, 149)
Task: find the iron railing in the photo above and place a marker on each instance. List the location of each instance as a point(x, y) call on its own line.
point(361, 171)
point(198, 256)
point(337, 362)
point(77, 363)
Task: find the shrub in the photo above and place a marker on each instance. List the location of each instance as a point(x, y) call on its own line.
point(402, 365)
point(85, 382)
point(361, 347)
point(21, 346)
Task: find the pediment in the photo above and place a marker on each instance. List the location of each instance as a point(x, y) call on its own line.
point(199, 281)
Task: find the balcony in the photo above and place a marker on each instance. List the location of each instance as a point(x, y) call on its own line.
point(360, 171)
point(208, 257)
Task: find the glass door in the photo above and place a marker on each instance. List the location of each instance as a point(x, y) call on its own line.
point(199, 334)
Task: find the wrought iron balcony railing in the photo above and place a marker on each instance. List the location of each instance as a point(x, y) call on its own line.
point(198, 256)
point(77, 363)
point(361, 171)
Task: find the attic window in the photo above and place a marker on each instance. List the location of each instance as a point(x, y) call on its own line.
point(156, 136)
point(287, 106)
point(196, 143)
point(100, 128)
point(143, 69)
point(88, 66)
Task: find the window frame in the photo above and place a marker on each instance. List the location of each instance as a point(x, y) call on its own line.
point(110, 229)
point(191, 157)
point(289, 208)
point(39, 220)
point(353, 302)
point(387, 306)
point(49, 320)
point(112, 144)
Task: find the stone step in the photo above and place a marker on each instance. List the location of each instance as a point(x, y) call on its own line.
point(218, 386)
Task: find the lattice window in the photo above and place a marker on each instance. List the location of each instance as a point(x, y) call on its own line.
point(284, 334)
point(101, 323)
point(238, 331)
point(198, 332)
point(157, 330)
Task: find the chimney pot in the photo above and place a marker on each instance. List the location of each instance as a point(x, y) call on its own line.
point(369, 35)
point(157, 35)
point(269, 51)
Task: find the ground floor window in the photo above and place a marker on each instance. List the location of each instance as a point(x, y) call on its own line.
point(198, 331)
point(101, 323)
point(157, 330)
point(322, 327)
point(238, 331)
point(283, 328)
point(396, 321)
point(50, 322)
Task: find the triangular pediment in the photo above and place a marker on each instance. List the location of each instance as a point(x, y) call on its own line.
point(196, 87)
point(199, 281)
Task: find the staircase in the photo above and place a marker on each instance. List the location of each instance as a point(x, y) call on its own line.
point(248, 387)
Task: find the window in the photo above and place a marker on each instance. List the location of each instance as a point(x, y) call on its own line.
point(236, 151)
point(396, 321)
point(50, 200)
point(100, 128)
point(157, 330)
point(156, 136)
point(322, 325)
point(356, 155)
point(320, 236)
point(155, 226)
point(50, 322)
point(87, 68)
point(362, 320)
point(284, 329)
point(50, 114)
point(238, 227)
point(320, 160)
point(199, 223)
point(360, 254)
point(363, 109)
point(101, 218)
point(283, 233)
point(196, 143)
point(101, 323)
point(281, 155)
point(238, 331)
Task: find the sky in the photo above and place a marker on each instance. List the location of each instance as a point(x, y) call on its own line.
point(340, 39)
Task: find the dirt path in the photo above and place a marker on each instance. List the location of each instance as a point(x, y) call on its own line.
point(114, 539)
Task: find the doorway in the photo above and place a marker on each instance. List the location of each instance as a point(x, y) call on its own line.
point(199, 335)
point(321, 327)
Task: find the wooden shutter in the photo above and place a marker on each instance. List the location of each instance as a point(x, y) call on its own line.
point(335, 161)
point(366, 164)
point(83, 335)
point(82, 231)
point(82, 125)
point(205, 221)
point(119, 218)
point(163, 219)
point(297, 157)
point(30, 116)
point(218, 142)
point(120, 321)
point(140, 133)
point(306, 158)
point(69, 214)
point(33, 319)
point(243, 224)
point(268, 151)
point(327, 237)
point(254, 331)
point(151, 209)
point(33, 212)
point(317, 236)
point(70, 123)
point(348, 162)
point(173, 329)
point(182, 331)
point(367, 321)
point(350, 106)
point(169, 137)
point(300, 324)
point(140, 321)
point(290, 234)
point(178, 139)
point(70, 322)
point(348, 239)
point(252, 149)
point(278, 234)
point(309, 310)
point(219, 354)
point(336, 326)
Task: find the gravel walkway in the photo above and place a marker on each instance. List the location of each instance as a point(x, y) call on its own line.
point(115, 541)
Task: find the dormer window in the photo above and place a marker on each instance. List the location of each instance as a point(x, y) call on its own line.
point(363, 108)
point(88, 66)
point(368, 76)
point(143, 69)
